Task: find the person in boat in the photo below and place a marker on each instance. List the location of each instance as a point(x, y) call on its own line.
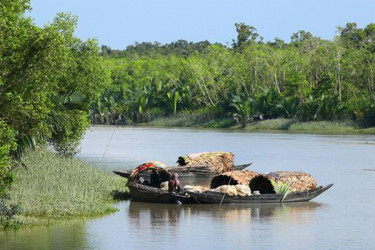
point(174, 183)
point(155, 180)
point(142, 181)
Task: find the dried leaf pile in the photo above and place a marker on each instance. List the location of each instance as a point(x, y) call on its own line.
point(216, 162)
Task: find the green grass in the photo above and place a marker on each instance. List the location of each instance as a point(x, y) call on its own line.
point(53, 188)
point(280, 187)
point(200, 118)
point(220, 123)
point(178, 120)
point(325, 127)
point(368, 130)
point(271, 124)
point(292, 125)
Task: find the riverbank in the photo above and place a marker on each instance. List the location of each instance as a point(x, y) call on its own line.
point(280, 124)
point(53, 188)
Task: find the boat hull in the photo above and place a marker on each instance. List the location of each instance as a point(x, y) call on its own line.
point(219, 198)
point(143, 193)
point(139, 192)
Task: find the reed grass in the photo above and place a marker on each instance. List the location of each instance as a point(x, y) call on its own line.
point(280, 187)
point(205, 117)
point(178, 120)
point(210, 118)
point(292, 125)
point(54, 188)
point(271, 124)
point(220, 123)
point(325, 127)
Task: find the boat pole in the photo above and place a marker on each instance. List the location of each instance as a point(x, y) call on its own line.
point(225, 191)
point(105, 150)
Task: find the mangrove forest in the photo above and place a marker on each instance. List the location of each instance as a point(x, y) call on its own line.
point(53, 85)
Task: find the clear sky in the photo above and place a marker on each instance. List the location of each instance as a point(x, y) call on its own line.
point(119, 23)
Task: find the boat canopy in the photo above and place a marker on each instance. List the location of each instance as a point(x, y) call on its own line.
point(298, 181)
point(242, 177)
point(266, 183)
point(160, 167)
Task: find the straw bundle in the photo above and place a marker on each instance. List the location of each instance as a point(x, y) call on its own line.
point(227, 189)
point(298, 181)
point(195, 189)
point(164, 186)
point(218, 162)
point(243, 190)
point(242, 177)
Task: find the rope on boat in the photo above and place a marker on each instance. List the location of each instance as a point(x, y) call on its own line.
point(106, 148)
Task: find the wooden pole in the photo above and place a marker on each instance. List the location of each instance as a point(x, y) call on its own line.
point(225, 191)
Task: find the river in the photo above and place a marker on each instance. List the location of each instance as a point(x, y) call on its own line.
point(340, 218)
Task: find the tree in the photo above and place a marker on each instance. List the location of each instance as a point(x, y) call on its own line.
point(245, 35)
point(300, 36)
point(277, 43)
point(48, 80)
point(352, 36)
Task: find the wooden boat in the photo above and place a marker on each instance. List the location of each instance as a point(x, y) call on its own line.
point(186, 172)
point(147, 193)
point(143, 193)
point(210, 197)
point(125, 174)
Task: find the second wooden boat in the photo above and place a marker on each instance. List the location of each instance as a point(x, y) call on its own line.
point(210, 197)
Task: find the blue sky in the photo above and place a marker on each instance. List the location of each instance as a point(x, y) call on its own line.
point(119, 23)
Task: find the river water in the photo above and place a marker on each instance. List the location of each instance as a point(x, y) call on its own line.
point(343, 217)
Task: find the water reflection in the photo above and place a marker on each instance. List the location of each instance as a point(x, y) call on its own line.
point(159, 215)
point(70, 235)
point(204, 226)
point(154, 215)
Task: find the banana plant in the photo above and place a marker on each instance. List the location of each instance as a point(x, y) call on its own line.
point(244, 106)
point(173, 99)
point(142, 104)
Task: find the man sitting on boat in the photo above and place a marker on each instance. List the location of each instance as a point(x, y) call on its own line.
point(174, 183)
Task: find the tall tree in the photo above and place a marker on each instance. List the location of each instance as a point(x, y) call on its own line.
point(246, 34)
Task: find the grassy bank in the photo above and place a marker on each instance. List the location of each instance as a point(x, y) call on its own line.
point(291, 125)
point(321, 127)
point(53, 188)
point(191, 120)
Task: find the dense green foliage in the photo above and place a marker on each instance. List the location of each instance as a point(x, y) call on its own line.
point(308, 79)
point(48, 81)
point(55, 187)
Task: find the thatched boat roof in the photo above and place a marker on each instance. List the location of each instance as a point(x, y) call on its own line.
point(218, 162)
point(242, 177)
point(298, 181)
